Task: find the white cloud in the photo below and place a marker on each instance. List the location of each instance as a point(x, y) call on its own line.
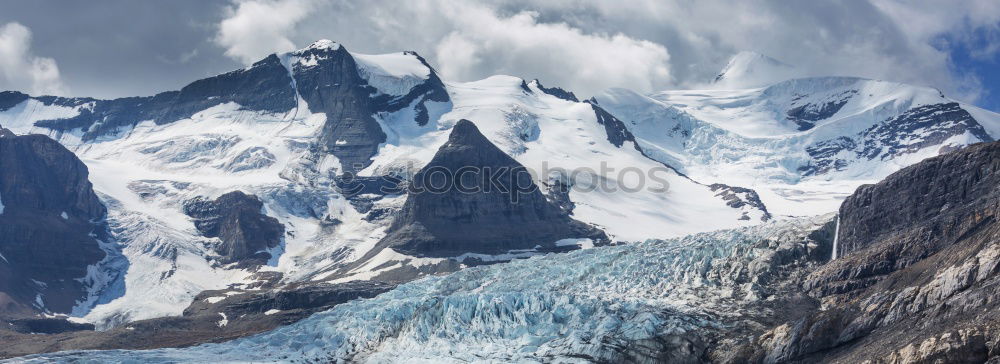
point(587, 45)
point(22, 70)
point(255, 28)
point(557, 53)
point(466, 41)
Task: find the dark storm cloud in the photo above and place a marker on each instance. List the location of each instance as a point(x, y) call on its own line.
point(119, 48)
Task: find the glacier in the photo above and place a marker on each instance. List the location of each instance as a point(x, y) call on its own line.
point(607, 303)
point(144, 171)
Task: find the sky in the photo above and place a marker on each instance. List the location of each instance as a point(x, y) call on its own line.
point(116, 48)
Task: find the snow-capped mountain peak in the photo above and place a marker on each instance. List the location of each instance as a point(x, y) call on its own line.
point(324, 44)
point(749, 69)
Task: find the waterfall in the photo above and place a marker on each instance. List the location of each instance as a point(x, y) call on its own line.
point(836, 235)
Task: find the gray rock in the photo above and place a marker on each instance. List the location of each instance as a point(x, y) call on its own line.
point(236, 219)
point(740, 197)
point(49, 226)
point(917, 128)
point(916, 279)
point(449, 213)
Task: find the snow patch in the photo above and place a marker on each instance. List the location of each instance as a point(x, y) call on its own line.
point(392, 74)
point(224, 321)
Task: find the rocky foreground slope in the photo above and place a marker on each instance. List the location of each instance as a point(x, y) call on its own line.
point(917, 271)
point(917, 262)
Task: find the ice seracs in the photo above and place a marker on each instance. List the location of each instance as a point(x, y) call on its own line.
point(621, 303)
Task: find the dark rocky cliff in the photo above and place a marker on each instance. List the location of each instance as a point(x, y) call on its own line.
point(332, 85)
point(455, 213)
point(917, 278)
point(49, 225)
point(237, 220)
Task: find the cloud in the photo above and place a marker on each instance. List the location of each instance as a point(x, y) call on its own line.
point(467, 41)
point(588, 45)
point(483, 42)
point(252, 29)
point(21, 70)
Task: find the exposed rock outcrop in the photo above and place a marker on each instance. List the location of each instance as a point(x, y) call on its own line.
point(556, 91)
point(236, 218)
point(330, 83)
point(916, 275)
point(740, 198)
point(918, 128)
point(618, 133)
point(474, 198)
point(214, 316)
point(50, 223)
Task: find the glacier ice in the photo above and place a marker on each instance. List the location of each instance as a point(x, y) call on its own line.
point(597, 304)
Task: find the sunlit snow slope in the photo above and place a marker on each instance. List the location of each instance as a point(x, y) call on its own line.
point(802, 144)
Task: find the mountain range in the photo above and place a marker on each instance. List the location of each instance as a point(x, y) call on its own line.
point(742, 222)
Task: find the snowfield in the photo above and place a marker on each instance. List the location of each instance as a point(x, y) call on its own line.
point(748, 137)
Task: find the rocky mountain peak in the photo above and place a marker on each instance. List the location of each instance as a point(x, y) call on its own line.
point(492, 209)
point(324, 44)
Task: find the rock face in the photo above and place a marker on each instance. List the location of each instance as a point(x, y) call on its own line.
point(492, 209)
point(330, 83)
point(917, 128)
point(236, 219)
point(618, 133)
point(739, 198)
point(50, 223)
point(950, 190)
point(806, 116)
point(557, 92)
point(916, 275)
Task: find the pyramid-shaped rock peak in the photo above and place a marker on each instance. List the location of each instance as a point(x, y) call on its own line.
point(474, 198)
